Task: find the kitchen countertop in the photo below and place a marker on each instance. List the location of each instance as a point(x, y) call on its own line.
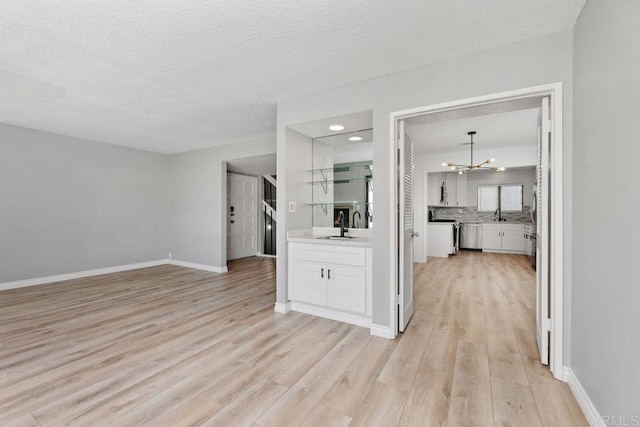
point(307, 236)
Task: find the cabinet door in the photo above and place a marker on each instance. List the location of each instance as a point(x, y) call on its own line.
point(347, 288)
point(491, 239)
point(512, 240)
point(451, 183)
point(461, 190)
point(309, 282)
point(433, 189)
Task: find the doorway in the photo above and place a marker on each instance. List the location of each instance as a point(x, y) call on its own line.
point(550, 242)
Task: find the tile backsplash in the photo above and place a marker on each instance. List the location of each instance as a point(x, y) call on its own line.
point(471, 214)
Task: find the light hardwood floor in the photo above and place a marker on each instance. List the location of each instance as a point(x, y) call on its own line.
point(171, 346)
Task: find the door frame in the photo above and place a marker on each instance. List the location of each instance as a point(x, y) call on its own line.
point(556, 238)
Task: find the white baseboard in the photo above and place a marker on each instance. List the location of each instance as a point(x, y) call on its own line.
point(205, 267)
point(266, 255)
point(79, 274)
point(382, 331)
point(98, 271)
point(282, 308)
point(329, 313)
point(588, 408)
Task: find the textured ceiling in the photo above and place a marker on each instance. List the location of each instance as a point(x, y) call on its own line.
point(173, 76)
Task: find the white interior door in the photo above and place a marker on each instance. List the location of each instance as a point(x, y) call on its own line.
point(405, 228)
point(543, 320)
point(242, 216)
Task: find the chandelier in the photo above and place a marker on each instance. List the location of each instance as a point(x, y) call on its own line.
point(471, 166)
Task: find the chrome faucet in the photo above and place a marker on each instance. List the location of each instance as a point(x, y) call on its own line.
point(341, 219)
point(353, 220)
point(498, 213)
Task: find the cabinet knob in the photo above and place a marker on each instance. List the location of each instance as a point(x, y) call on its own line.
point(322, 273)
point(329, 274)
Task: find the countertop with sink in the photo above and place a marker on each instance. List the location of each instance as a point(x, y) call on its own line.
point(322, 238)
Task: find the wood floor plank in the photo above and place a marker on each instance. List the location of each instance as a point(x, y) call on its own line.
point(352, 388)
point(428, 401)
point(306, 394)
point(193, 413)
point(556, 404)
point(505, 361)
point(325, 417)
point(249, 406)
point(471, 402)
point(382, 407)
point(513, 404)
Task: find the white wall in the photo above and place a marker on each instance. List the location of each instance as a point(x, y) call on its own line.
point(526, 177)
point(527, 63)
point(69, 205)
point(606, 290)
point(198, 198)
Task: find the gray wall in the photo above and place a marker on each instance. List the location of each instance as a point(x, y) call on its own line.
point(606, 290)
point(69, 205)
point(198, 198)
point(527, 63)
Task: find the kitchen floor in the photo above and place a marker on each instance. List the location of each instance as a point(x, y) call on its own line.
point(172, 346)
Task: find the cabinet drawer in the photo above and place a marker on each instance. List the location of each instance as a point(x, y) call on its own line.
point(344, 255)
point(491, 227)
point(511, 227)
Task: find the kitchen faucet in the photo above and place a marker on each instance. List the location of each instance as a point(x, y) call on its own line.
point(353, 220)
point(341, 219)
point(498, 213)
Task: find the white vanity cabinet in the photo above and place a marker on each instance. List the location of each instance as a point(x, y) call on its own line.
point(332, 281)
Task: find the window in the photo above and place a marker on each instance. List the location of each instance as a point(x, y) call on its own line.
point(506, 197)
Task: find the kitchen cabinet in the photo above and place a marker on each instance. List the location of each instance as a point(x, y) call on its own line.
point(502, 238)
point(455, 185)
point(440, 239)
point(461, 190)
point(332, 281)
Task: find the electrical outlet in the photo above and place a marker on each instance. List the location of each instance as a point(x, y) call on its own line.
point(292, 206)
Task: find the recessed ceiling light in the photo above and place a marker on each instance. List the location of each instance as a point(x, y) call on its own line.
point(336, 127)
point(355, 138)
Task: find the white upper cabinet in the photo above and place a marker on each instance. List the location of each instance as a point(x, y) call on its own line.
point(461, 190)
point(455, 189)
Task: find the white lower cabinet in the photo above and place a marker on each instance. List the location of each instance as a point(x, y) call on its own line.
point(502, 237)
point(331, 281)
point(309, 282)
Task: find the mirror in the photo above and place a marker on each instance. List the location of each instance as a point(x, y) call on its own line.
point(342, 179)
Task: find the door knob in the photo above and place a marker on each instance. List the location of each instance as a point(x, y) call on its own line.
point(415, 234)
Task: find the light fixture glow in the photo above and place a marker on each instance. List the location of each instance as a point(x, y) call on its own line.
point(355, 138)
point(336, 128)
